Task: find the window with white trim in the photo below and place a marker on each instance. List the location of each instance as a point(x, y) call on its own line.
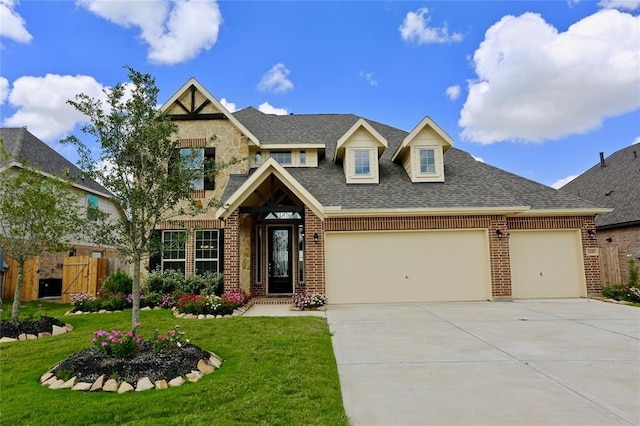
point(427, 160)
point(207, 253)
point(303, 157)
point(282, 157)
point(174, 250)
point(361, 162)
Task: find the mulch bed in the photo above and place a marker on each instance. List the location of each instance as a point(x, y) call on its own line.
point(13, 330)
point(89, 364)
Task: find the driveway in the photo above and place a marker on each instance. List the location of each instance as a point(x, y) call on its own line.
point(568, 361)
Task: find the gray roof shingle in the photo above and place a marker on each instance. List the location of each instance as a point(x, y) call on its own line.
point(22, 145)
point(468, 183)
point(617, 185)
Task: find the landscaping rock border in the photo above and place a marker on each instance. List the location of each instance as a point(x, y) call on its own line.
point(236, 313)
point(204, 367)
point(56, 331)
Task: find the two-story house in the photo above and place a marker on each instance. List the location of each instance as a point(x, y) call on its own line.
point(24, 147)
point(365, 212)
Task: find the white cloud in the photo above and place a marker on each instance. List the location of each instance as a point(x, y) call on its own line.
point(535, 83)
point(480, 159)
point(572, 3)
point(415, 28)
point(453, 92)
point(619, 4)
point(269, 109)
point(4, 90)
point(368, 76)
point(175, 30)
point(275, 80)
point(636, 140)
point(41, 103)
point(230, 106)
point(562, 182)
point(11, 24)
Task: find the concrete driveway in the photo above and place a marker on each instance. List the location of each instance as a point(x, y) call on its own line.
point(569, 361)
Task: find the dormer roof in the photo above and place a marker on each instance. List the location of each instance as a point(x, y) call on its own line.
point(361, 123)
point(427, 123)
point(201, 105)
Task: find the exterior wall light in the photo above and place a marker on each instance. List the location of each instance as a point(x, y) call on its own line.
point(315, 238)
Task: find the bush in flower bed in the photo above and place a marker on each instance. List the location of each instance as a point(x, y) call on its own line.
point(622, 292)
point(203, 304)
point(309, 300)
point(84, 302)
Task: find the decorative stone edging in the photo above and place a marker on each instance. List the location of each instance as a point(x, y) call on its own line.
point(56, 331)
point(104, 311)
point(205, 366)
point(313, 308)
point(236, 313)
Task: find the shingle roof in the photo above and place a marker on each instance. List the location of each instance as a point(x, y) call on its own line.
point(468, 183)
point(617, 185)
point(23, 145)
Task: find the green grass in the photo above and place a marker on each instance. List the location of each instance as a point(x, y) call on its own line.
point(276, 371)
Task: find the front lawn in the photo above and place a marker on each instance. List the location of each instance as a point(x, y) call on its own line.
point(276, 371)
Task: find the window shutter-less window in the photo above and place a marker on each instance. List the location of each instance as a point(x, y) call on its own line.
point(209, 168)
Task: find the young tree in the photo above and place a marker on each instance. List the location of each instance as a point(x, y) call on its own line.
point(37, 215)
point(137, 161)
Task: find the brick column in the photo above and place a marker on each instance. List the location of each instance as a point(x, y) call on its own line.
point(591, 259)
point(314, 274)
point(500, 261)
point(232, 252)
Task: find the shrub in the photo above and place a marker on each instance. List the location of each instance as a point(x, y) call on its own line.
point(163, 282)
point(210, 304)
point(613, 292)
point(634, 273)
point(309, 300)
point(85, 302)
point(206, 283)
point(116, 344)
point(622, 292)
point(116, 282)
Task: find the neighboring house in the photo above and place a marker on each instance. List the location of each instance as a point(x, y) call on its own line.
point(25, 147)
point(364, 212)
point(614, 182)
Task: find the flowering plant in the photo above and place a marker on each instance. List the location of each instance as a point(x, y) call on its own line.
point(116, 344)
point(309, 300)
point(235, 298)
point(172, 340)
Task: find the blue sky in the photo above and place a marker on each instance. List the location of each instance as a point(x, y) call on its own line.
point(536, 88)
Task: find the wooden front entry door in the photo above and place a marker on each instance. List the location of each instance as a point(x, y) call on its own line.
point(280, 260)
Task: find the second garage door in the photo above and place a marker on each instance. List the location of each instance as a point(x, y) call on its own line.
point(546, 264)
point(407, 266)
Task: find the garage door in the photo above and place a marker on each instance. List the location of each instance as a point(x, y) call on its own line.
point(407, 266)
point(546, 264)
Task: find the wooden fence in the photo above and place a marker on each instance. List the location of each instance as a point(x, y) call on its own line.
point(83, 274)
point(610, 266)
point(29, 285)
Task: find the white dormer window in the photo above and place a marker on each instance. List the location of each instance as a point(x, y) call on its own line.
point(362, 162)
point(427, 160)
point(282, 157)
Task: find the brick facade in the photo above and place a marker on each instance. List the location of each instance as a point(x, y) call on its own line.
point(231, 250)
point(314, 252)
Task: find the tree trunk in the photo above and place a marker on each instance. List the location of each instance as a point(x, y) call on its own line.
point(15, 310)
point(135, 311)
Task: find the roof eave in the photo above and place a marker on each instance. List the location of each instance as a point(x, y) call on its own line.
point(338, 211)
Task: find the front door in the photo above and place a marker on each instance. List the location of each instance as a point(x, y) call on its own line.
point(280, 260)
